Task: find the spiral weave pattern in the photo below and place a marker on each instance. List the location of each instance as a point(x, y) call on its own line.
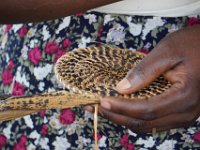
point(97, 70)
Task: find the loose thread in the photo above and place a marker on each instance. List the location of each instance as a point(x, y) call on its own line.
point(95, 126)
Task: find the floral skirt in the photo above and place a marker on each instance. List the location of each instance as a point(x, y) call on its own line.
point(28, 54)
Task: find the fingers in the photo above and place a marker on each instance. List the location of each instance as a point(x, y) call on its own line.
point(89, 108)
point(129, 122)
point(157, 106)
point(131, 108)
point(140, 126)
point(151, 67)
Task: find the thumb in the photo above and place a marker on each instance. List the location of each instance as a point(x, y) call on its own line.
point(150, 68)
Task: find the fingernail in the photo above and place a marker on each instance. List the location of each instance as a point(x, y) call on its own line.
point(105, 105)
point(88, 108)
point(124, 84)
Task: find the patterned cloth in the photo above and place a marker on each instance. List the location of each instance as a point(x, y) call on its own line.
point(28, 54)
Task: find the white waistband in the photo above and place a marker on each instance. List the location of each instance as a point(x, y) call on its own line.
point(165, 8)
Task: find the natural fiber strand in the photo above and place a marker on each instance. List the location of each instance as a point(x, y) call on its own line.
point(95, 126)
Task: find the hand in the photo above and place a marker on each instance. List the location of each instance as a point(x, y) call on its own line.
point(177, 57)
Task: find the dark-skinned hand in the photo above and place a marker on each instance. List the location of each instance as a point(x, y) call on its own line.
point(177, 57)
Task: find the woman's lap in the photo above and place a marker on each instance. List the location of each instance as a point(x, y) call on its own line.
point(28, 54)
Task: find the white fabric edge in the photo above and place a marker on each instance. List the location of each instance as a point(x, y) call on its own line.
point(189, 10)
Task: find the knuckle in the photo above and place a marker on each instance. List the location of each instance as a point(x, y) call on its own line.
point(184, 86)
point(136, 126)
point(142, 127)
point(149, 116)
point(130, 124)
point(149, 113)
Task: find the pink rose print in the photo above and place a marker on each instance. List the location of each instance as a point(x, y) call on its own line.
point(66, 43)
point(98, 136)
point(130, 147)
point(124, 140)
point(35, 55)
point(22, 32)
point(79, 14)
point(23, 139)
point(51, 48)
point(21, 145)
point(8, 27)
point(67, 116)
point(7, 77)
point(193, 21)
point(100, 32)
point(18, 89)
point(3, 140)
point(99, 35)
point(11, 64)
point(58, 55)
point(44, 130)
point(196, 137)
point(145, 51)
point(42, 113)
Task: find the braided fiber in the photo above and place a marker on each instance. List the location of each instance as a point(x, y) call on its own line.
point(99, 69)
